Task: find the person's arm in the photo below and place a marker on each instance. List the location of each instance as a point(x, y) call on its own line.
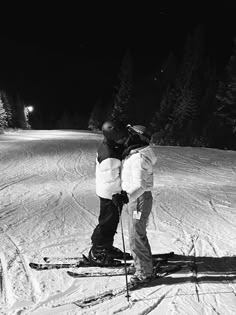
point(139, 168)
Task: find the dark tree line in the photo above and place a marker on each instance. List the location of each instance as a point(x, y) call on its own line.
point(195, 105)
point(188, 98)
point(225, 113)
point(13, 112)
point(185, 101)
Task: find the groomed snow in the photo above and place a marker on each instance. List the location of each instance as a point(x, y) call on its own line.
point(48, 207)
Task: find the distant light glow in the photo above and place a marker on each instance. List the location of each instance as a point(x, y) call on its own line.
point(30, 108)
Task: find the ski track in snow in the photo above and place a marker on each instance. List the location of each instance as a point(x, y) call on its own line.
point(48, 207)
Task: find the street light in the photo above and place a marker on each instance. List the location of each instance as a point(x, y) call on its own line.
point(30, 108)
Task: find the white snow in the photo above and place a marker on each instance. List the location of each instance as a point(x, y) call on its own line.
point(48, 207)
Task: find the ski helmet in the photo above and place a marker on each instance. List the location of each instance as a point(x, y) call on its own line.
point(141, 131)
point(114, 130)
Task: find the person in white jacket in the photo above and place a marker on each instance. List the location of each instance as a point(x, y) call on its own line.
point(137, 181)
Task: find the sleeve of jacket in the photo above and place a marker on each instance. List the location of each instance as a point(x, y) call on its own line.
point(140, 168)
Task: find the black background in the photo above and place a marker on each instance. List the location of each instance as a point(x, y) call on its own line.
point(63, 56)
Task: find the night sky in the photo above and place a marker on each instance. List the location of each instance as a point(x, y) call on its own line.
point(64, 57)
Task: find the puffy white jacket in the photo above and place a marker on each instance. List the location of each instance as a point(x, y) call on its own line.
point(108, 180)
point(137, 172)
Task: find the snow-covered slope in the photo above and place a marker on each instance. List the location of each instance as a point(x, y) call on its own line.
point(48, 207)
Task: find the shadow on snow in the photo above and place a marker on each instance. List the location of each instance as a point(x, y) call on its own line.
point(201, 269)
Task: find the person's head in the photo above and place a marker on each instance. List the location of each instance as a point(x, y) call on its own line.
point(138, 135)
point(115, 131)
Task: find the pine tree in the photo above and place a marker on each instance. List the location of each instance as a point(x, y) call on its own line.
point(161, 118)
point(20, 118)
point(97, 117)
point(226, 95)
point(13, 111)
point(182, 102)
point(7, 107)
point(124, 91)
point(3, 116)
point(186, 107)
point(188, 87)
point(187, 91)
point(168, 72)
point(207, 105)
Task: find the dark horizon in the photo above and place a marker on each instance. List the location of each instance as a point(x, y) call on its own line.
point(57, 61)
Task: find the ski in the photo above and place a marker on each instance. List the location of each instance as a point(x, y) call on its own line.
point(61, 259)
point(79, 258)
point(163, 255)
point(83, 262)
point(39, 267)
point(56, 259)
point(111, 273)
point(96, 299)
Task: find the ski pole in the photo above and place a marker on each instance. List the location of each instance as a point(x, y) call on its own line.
point(123, 241)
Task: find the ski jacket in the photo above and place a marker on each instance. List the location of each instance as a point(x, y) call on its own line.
point(137, 172)
point(108, 167)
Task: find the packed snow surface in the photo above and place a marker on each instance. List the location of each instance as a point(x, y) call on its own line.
point(48, 207)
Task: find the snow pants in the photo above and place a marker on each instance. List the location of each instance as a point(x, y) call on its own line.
point(103, 234)
point(138, 214)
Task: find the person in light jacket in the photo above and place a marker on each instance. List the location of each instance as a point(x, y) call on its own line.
point(137, 182)
point(108, 182)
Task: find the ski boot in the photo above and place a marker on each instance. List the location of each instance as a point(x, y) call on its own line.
point(101, 258)
point(116, 253)
point(140, 279)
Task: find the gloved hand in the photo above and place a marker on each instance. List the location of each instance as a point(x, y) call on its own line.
point(120, 199)
point(117, 199)
point(125, 196)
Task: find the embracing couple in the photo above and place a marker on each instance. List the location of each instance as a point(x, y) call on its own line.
point(124, 175)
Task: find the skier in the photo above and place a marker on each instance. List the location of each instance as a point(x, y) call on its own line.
point(137, 182)
point(108, 183)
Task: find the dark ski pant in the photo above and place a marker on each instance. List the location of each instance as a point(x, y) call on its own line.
point(103, 234)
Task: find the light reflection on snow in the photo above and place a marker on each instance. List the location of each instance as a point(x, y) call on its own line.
point(48, 207)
